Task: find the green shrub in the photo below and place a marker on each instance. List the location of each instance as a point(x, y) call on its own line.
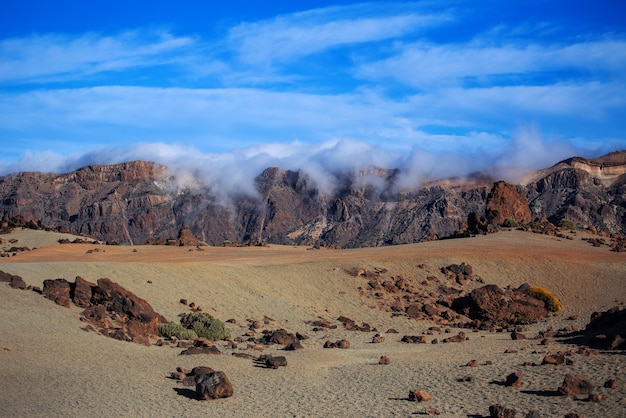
point(566, 223)
point(204, 325)
point(551, 302)
point(172, 329)
point(510, 223)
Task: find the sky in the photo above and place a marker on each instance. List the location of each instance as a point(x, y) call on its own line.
point(436, 88)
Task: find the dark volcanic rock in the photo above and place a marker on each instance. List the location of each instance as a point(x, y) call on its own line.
point(607, 330)
point(575, 384)
point(214, 385)
point(83, 290)
point(494, 306)
point(58, 291)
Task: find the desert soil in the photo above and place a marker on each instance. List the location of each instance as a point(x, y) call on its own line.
point(49, 366)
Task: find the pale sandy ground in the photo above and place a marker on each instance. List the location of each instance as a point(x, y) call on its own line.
point(54, 368)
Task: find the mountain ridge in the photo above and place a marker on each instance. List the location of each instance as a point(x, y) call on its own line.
point(140, 201)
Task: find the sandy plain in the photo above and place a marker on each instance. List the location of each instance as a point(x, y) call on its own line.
point(49, 366)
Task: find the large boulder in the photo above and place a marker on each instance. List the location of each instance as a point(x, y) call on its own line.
point(58, 291)
point(214, 385)
point(121, 314)
point(575, 384)
point(83, 291)
point(494, 306)
point(607, 330)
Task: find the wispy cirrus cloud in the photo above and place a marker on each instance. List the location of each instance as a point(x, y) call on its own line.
point(41, 58)
point(426, 66)
point(294, 36)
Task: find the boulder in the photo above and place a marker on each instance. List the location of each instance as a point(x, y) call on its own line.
point(274, 362)
point(514, 379)
point(607, 330)
point(501, 411)
point(280, 336)
point(200, 350)
point(495, 307)
point(120, 314)
point(378, 339)
point(553, 358)
point(414, 339)
point(384, 360)
point(17, 283)
point(214, 385)
point(82, 292)
point(575, 384)
point(459, 338)
point(58, 291)
point(417, 395)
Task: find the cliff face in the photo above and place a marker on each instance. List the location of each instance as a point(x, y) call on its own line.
point(136, 201)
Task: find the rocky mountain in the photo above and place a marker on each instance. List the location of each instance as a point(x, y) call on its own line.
point(138, 202)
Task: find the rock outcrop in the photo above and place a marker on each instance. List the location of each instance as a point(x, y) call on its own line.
point(109, 308)
point(496, 307)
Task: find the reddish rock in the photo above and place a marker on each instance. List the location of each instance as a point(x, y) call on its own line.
point(17, 283)
point(200, 350)
point(553, 358)
point(611, 383)
point(514, 379)
point(459, 338)
point(596, 397)
point(505, 202)
point(83, 290)
point(472, 363)
point(280, 336)
point(384, 360)
point(575, 384)
point(58, 291)
point(517, 336)
point(296, 345)
point(343, 344)
point(378, 339)
point(501, 411)
point(494, 306)
point(274, 362)
point(214, 385)
point(417, 395)
point(414, 339)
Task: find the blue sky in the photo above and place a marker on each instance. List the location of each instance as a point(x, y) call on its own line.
point(434, 87)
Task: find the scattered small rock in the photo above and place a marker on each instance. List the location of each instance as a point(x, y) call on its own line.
point(384, 360)
point(501, 411)
point(575, 384)
point(417, 395)
point(514, 379)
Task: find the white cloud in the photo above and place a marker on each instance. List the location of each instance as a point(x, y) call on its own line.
point(62, 57)
point(293, 36)
point(430, 67)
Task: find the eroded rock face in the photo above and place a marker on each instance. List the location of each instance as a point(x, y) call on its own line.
point(506, 202)
point(137, 202)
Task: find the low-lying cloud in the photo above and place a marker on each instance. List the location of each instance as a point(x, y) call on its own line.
point(232, 173)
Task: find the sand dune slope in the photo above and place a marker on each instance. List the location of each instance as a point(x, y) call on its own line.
point(51, 367)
